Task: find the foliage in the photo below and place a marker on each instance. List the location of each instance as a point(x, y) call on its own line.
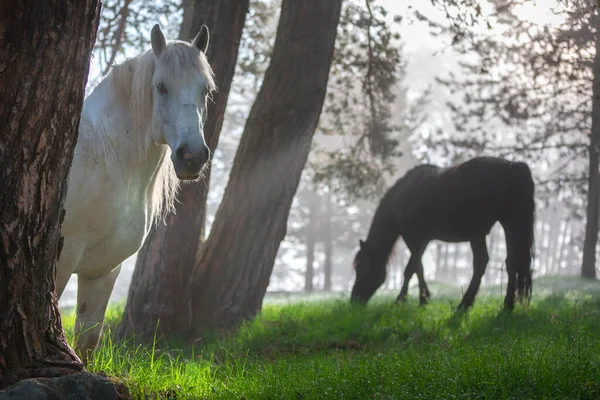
point(363, 86)
point(125, 27)
point(524, 87)
point(328, 349)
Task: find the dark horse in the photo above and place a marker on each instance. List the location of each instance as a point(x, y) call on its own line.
point(456, 204)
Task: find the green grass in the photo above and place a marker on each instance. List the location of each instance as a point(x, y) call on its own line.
point(314, 349)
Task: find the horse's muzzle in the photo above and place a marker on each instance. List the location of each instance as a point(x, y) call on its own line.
point(188, 163)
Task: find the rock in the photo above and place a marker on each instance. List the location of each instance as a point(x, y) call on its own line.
point(81, 386)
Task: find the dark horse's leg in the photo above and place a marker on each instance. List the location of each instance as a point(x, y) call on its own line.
point(414, 266)
point(514, 256)
point(480, 261)
point(423, 289)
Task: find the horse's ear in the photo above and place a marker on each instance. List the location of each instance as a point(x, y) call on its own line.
point(361, 243)
point(201, 40)
point(158, 41)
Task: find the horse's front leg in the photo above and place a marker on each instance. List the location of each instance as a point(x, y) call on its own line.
point(480, 261)
point(93, 294)
point(417, 248)
point(424, 294)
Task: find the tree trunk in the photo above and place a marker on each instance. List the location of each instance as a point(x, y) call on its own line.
point(588, 268)
point(438, 262)
point(456, 258)
point(44, 60)
point(446, 263)
point(311, 233)
point(563, 245)
point(401, 265)
point(309, 274)
point(168, 256)
point(328, 245)
point(235, 264)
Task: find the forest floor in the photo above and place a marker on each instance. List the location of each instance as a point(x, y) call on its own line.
point(302, 348)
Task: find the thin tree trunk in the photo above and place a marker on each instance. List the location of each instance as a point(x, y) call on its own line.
point(444, 266)
point(456, 258)
point(588, 267)
point(563, 243)
point(310, 239)
point(44, 60)
point(401, 264)
point(235, 264)
point(310, 264)
point(438, 262)
point(546, 241)
point(489, 275)
point(553, 237)
point(328, 245)
point(167, 258)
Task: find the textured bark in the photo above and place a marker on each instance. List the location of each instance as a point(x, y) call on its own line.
point(167, 258)
point(235, 264)
point(228, 280)
point(44, 59)
point(588, 268)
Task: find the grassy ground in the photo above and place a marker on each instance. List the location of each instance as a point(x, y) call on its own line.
point(315, 349)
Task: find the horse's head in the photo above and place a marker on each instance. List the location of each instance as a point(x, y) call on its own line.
point(370, 273)
point(181, 81)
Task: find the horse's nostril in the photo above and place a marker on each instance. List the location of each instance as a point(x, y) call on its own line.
point(180, 153)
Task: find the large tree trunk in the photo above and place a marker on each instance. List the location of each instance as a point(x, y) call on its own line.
point(168, 256)
point(588, 268)
point(44, 59)
point(235, 263)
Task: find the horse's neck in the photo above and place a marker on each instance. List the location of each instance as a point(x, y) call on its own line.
point(122, 147)
point(382, 236)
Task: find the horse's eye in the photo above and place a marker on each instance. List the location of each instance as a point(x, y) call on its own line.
point(162, 89)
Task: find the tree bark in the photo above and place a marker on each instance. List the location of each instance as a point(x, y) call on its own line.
point(167, 259)
point(45, 49)
point(588, 267)
point(235, 263)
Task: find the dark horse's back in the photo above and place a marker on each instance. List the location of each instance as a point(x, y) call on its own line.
point(457, 203)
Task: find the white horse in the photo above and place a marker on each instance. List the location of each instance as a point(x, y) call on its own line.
point(121, 179)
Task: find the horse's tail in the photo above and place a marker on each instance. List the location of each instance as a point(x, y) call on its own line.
point(525, 193)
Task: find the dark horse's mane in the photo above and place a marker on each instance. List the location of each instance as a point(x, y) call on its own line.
point(456, 204)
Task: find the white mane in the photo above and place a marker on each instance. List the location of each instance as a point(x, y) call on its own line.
point(132, 82)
